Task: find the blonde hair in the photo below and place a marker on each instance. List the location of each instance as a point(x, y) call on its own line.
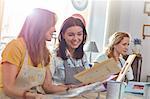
point(33, 32)
point(115, 39)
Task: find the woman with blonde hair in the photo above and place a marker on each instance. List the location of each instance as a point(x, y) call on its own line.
point(25, 60)
point(117, 47)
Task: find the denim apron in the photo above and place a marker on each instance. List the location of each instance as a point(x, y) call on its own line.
point(29, 78)
point(71, 71)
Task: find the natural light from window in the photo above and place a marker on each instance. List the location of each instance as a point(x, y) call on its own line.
point(15, 12)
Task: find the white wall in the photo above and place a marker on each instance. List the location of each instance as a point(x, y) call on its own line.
point(132, 19)
point(96, 26)
point(19, 9)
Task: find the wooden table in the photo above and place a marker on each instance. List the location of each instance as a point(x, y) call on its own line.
point(103, 96)
point(93, 95)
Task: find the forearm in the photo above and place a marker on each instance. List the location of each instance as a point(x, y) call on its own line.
point(55, 88)
point(13, 92)
point(18, 93)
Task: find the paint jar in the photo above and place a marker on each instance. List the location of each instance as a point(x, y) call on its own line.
point(147, 91)
point(115, 90)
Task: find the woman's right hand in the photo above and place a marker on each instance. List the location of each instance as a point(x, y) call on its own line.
point(30, 95)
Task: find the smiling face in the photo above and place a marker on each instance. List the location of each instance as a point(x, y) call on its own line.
point(73, 37)
point(122, 47)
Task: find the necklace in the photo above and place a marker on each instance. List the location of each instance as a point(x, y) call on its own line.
point(120, 63)
point(72, 61)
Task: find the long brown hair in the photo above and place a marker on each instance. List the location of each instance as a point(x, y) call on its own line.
point(33, 32)
point(115, 39)
point(69, 22)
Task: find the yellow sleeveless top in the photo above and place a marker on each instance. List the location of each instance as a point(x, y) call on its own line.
point(14, 53)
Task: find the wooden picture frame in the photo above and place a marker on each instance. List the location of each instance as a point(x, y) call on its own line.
point(147, 7)
point(146, 30)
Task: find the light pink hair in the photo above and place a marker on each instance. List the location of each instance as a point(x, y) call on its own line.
point(79, 16)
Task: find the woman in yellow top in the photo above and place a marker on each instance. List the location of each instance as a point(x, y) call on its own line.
point(25, 60)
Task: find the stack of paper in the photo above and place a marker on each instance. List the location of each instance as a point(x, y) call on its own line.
point(135, 87)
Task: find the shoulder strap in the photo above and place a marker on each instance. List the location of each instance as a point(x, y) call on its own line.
point(65, 63)
point(25, 62)
point(82, 62)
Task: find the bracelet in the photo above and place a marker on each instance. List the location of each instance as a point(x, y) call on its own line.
point(67, 88)
point(25, 94)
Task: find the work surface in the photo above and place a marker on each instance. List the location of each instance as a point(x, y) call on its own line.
point(102, 95)
point(90, 92)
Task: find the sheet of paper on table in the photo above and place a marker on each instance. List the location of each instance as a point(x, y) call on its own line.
point(74, 92)
point(78, 91)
